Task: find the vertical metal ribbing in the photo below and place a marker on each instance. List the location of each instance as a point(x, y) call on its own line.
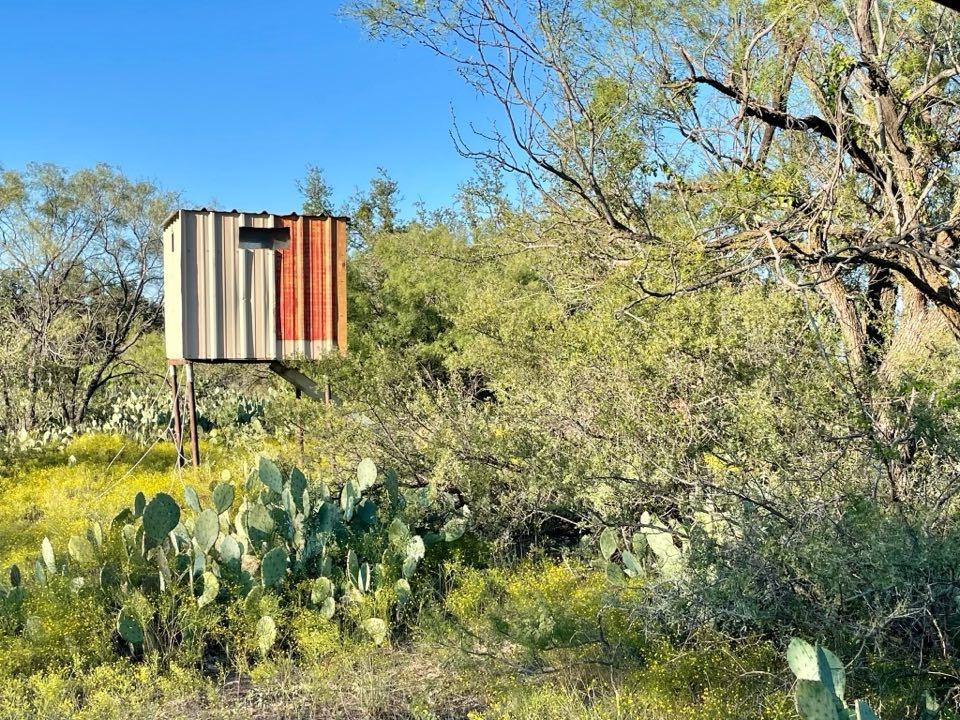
point(214, 296)
point(188, 279)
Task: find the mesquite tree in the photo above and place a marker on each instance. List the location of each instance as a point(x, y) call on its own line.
point(80, 283)
point(811, 142)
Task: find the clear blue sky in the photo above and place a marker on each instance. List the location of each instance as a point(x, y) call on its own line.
point(227, 102)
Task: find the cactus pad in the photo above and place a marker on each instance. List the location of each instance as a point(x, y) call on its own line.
point(230, 550)
point(413, 554)
point(402, 589)
point(348, 499)
point(363, 577)
point(809, 662)
point(46, 552)
point(206, 528)
point(864, 712)
point(269, 475)
point(399, 533)
point(802, 658)
point(191, 498)
point(273, 567)
point(366, 513)
point(366, 474)
point(222, 497)
point(453, 529)
point(81, 550)
point(814, 701)
point(631, 564)
point(298, 484)
point(129, 627)
point(251, 603)
point(326, 517)
point(320, 590)
point(211, 588)
point(160, 516)
point(608, 543)
point(328, 608)
point(259, 523)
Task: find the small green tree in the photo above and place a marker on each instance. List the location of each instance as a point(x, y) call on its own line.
point(317, 193)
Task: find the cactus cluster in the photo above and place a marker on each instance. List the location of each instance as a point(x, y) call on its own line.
point(143, 414)
point(272, 537)
point(665, 544)
point(821, 685)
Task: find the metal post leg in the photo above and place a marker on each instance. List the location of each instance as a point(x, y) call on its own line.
point(192, 416)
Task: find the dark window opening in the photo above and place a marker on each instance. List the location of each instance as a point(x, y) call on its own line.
point(262, 238)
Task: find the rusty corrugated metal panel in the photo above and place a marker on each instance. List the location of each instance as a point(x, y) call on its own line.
point(226, 302)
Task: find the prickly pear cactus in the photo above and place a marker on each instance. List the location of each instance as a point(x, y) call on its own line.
point(821, 682)
point(216, 554)
point(608, 543)
point(211, 588)
point(129, 627)
point(222, 497)
point(270, 476)
point(273, 567)
point(814, 701)
point(206, 529)
point(366, 474)
point(160, 516)
point(191, 498)
point(230, 550)
point(46, 552)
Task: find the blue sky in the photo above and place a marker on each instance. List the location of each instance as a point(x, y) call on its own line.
point(227, 102)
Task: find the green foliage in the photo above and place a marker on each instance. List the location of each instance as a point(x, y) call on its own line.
point(317, 193)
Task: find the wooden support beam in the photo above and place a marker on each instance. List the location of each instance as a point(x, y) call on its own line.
point(296, 378)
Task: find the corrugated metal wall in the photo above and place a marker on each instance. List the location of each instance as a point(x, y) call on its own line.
point(223, 302)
